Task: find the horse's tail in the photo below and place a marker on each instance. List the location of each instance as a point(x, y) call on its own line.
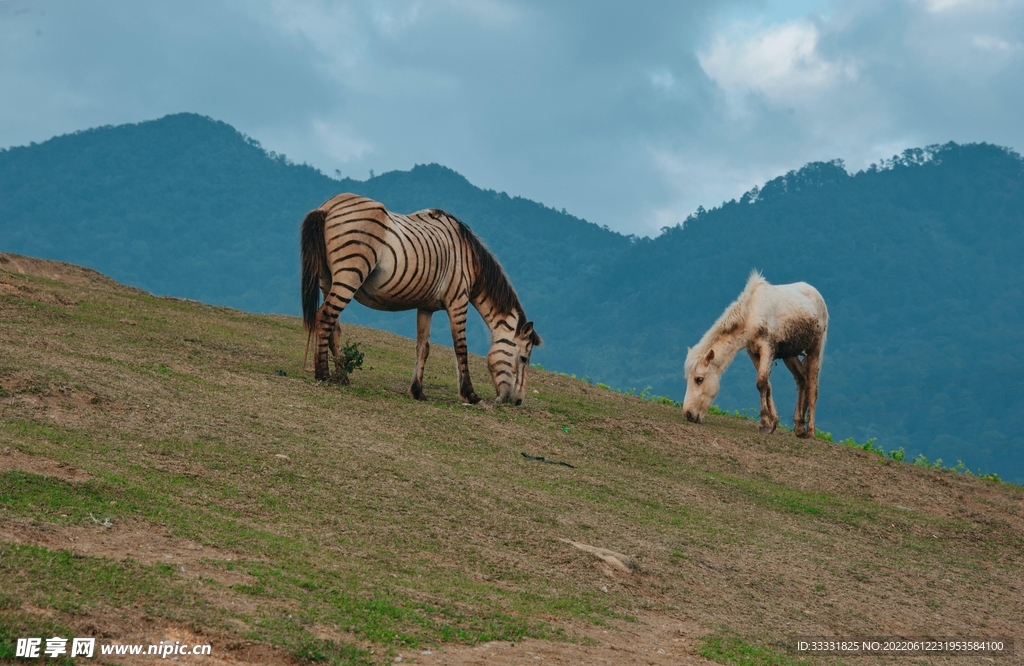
point(824, 333)
point(824, 328)
point(314, 267)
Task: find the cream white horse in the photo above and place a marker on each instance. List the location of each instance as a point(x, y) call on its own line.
point(787, 322)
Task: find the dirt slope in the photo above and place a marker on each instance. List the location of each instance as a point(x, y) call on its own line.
point(169, 472)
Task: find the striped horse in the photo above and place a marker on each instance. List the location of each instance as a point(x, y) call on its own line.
point(352, 247)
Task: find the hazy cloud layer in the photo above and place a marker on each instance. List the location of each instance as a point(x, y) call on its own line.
point(629, 115)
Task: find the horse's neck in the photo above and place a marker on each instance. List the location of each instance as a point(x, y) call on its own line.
point(495, 320)
point(727, 345)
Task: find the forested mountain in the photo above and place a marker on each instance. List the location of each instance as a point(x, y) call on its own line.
point(917, 258)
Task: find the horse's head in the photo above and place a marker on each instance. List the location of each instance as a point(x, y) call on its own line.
point(509, 359)
point(703, 379)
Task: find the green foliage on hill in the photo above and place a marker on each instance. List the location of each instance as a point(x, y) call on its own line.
point(917, 257)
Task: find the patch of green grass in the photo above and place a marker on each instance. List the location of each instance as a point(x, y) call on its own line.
point(383, 616)
point(15, 624)
point(70, 583)
point(735, 651)
point(23, 429)
point(329, 653)
point(782, 498)
point(60, 501)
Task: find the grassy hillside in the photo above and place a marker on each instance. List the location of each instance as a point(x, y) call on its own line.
point(168, 471)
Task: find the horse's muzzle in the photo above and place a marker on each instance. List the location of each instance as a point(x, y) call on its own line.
point(692, 417)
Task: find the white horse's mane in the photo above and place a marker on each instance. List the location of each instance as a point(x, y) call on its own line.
point(734, 317)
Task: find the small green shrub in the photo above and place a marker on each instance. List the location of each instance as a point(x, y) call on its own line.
point(922, 461)
point(349, 360)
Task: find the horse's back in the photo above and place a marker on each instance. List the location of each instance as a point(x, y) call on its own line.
point(797, 299)
point(792, 316)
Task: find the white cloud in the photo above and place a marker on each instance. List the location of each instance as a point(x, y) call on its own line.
point(971, 6)
point(781, 62)
point(339, 142)
point(393, 22)
point(662, 80)
point(558, 102)
point(487, 13)
point(336, 31)
point(697, 179)
point(996, 44)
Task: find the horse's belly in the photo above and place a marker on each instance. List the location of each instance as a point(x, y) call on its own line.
point(379, 293)
point(797, 339)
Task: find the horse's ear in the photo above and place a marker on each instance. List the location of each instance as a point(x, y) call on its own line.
point(528, 332)
point(711, 356)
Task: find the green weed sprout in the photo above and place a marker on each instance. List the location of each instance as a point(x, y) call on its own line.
point(349, 360)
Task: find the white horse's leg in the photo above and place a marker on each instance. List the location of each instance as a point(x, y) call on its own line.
point(763, 362)
point(813, 372)
point(799, 370)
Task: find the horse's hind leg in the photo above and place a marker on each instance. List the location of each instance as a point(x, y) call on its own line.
point(798, 368)
point(334, 343)
point(348, 277)
point(763, 363)
point(422, 351)
point(813, 364)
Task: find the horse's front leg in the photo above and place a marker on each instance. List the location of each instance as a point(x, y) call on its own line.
point(457, 311)
point(423, 318)
point(763, 362)
point(799, 370)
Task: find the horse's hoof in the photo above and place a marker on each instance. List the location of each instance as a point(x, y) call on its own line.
point(418, 395)
point(765, 430)
point(472, 399)
point(804, 435)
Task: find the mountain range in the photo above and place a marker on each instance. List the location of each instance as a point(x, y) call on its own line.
point(918, 258)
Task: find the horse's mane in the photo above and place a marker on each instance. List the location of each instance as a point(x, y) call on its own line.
point(733, 318)
point(490, 276)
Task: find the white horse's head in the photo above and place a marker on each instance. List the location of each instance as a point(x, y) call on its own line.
point(703, 379)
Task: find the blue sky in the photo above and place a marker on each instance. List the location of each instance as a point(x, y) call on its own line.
point(627, 114)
